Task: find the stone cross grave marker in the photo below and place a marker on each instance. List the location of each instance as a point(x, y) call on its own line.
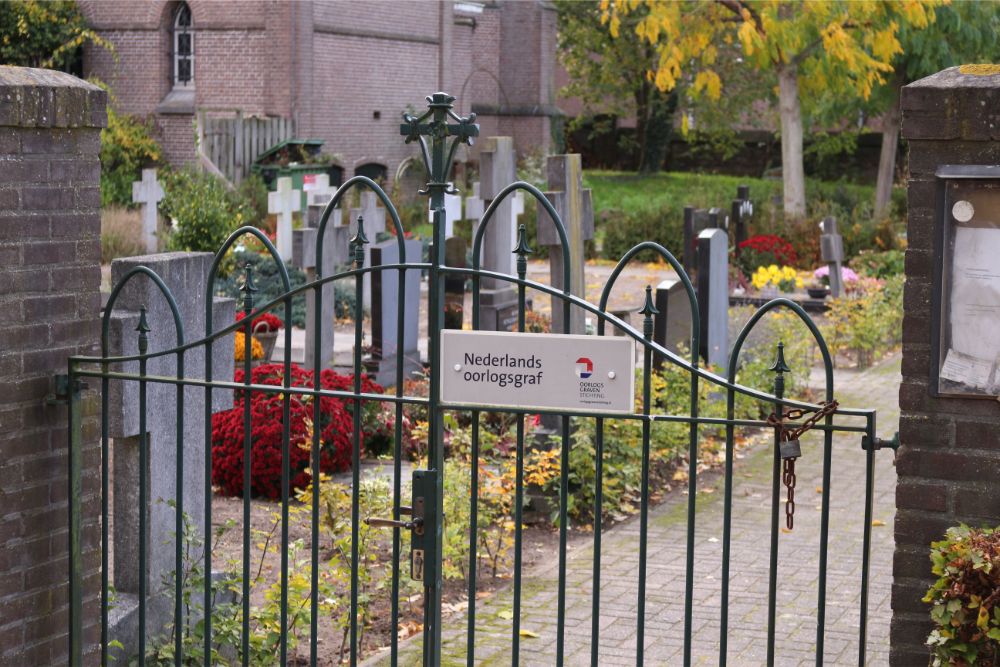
point(284, 202)
point(672, 324)
point(318, 194)
point(387, 349)
point(831, 246)
point(498, 299)
point(713, 295)
point(374, 224)
point(335, 254)
point(148, 192)
point(452, 212)
point(573, 203)
point(185, 275)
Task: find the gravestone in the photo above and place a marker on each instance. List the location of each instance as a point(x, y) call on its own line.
point(284, 202)
point(185, 275)
point(498, 299)
point(454, 285)
point(335, 255)
point(831, 246)
point(373, 217)
point(695, 220)
point(575, 207)
point(713, 296)
point(148, 193)
point(740, 214)
point(387, 349)
point(672, 324)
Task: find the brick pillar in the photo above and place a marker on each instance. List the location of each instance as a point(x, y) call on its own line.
point(49, 280)
point(949, 457)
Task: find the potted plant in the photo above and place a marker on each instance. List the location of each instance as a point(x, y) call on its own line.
point(265, 330)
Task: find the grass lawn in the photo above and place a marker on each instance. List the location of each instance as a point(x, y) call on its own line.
point(630, 192)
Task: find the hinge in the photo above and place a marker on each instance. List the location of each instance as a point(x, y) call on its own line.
point(61, 395)
point(881, 443)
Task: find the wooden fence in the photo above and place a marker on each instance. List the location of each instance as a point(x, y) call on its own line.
point(229, 145)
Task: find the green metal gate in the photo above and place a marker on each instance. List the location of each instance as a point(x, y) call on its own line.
point(439, 132)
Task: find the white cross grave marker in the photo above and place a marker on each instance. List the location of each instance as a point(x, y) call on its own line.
point(284, 202)
point(452, 212)
point(148, 192)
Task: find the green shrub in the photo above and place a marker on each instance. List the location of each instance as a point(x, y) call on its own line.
point(966, 597)
point(868, 321)
point(879, 264)
point(127, 146)
point(252, 192)
point(624, 230)
point(268, 281)
point(205, 211)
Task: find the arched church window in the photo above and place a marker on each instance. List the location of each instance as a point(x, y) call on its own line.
point(183, 47)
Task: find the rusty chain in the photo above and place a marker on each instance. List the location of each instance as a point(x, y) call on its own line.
point(785, 434)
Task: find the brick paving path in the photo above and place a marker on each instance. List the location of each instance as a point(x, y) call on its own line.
point(798, 567)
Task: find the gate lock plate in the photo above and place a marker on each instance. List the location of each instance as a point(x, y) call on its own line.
point(421, 525)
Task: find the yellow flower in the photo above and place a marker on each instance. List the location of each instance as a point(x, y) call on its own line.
point(239, 344)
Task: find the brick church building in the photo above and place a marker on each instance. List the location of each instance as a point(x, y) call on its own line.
point(341, 70)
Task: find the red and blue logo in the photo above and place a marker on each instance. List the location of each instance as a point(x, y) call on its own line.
point(584, 368)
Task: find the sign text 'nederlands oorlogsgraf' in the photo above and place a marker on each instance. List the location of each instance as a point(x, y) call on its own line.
point(542, 371)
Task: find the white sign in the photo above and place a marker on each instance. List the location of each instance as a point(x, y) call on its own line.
point(538, 371)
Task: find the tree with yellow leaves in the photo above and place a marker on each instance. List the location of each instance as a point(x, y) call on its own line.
point(814, 47)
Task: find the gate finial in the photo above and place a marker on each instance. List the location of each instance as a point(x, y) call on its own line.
point(648, 309)
point(434, 123)
point(779, 365)
point(143, 329)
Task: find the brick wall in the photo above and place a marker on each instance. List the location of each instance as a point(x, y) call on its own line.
point(331, 64)
point(949, 457)
point(50, 271)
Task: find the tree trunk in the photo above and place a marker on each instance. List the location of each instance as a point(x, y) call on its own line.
point(887, 158)
point(792, 169)
point(642, 101)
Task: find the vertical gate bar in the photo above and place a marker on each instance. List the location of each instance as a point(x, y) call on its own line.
point(105, 509)
point(595, 625)
point(207, 593)
point(318, 355)
point(179, 519)
point(727, 523)
point(435, 445)
point(772, 585)
point(397, 457)
point(648, 310)
point(470, 655)
point(359, 262)
point(867, 545)
point(563, 475)
point(248, 290)
point(286, 455)
point(519, 500)
point(143, 328)
point(75, 510)
point(824, 540)
point(692, 491)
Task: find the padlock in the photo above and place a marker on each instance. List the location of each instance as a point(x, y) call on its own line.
point(790, 449)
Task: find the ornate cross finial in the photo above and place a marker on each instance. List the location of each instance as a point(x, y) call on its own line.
point(434, 124)
point(779, 366)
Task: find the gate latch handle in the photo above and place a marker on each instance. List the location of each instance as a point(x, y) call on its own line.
point(392, 523)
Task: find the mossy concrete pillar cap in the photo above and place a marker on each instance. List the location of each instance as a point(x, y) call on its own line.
point(31, 97)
